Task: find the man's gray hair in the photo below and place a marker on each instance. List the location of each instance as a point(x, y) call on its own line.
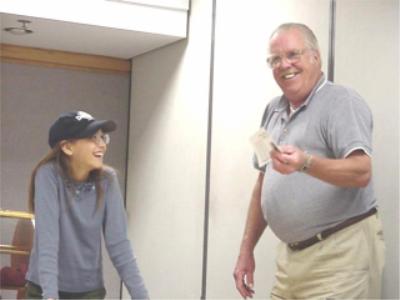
point(309, 36)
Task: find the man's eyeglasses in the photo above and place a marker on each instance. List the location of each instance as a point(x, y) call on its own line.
point(274, 61)
point(100, 138)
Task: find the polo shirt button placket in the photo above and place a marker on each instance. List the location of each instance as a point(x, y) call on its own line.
point(283, 135)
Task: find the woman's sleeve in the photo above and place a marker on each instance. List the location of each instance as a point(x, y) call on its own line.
point(118, 246)
point(47, 213)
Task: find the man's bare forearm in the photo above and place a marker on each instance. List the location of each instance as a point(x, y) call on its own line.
point(255, 223)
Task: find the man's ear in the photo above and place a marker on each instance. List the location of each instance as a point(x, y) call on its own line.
point(66, 147)
point(317, 55)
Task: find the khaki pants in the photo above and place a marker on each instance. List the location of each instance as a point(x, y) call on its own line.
point(347, 265)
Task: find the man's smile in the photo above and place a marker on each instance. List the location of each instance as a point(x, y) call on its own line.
point(289, 75)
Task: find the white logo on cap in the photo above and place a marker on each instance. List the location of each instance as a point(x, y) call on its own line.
point(83, 115)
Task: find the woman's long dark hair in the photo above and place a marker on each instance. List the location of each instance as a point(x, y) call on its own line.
point(57, 155)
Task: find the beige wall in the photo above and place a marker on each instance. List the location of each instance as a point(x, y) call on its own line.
point(243, 85)
point(167, 168)
point(168, 139)
point(367, 59)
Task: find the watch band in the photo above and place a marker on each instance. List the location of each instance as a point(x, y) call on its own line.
point(307, 163)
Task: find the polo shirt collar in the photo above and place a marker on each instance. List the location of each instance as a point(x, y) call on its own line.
point(284, 102)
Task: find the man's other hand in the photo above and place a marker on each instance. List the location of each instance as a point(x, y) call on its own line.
point(243, 274)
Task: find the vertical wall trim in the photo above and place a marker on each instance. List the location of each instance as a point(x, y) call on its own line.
point(188, 14)
point(208, 159)
point(128, 121)
point(331, 54)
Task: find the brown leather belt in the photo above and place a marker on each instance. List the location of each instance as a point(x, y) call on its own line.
point(327, 232)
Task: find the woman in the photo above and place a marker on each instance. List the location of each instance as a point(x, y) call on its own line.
point(75, 198)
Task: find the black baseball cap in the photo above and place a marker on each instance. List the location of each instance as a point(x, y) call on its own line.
point(77, 125)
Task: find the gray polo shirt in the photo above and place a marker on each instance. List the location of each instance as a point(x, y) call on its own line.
point(333, 122)
point(66, 253)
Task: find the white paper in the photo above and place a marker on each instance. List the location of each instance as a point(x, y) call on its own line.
point(262, 144)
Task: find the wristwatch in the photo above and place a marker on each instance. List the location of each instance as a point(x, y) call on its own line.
point(307, 163)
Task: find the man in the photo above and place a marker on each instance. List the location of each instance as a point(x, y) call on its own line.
point(316, 191)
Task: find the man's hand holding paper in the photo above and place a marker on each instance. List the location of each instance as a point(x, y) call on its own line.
point(263, 145)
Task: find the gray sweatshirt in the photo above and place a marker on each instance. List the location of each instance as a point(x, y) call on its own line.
point(66, 254)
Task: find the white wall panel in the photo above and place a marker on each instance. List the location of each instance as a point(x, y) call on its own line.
point(243, 85)
point(113, 14)
point(167, 162)
point(172, 4)
point(367, 59)
point(167, 165)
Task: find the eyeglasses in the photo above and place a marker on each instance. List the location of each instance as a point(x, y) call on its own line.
point(274, 61)
point(100, 138)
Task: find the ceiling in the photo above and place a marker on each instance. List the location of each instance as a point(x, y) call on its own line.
point(81, 38)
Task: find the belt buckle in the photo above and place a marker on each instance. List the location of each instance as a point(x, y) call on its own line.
point(298, 245)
